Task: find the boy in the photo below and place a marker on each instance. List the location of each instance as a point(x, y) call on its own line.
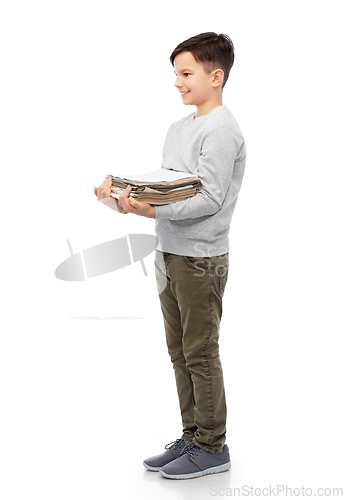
point(192, 255)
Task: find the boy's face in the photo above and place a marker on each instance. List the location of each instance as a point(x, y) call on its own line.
point(195, 85)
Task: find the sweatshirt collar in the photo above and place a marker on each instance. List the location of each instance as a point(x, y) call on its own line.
point(222, 106)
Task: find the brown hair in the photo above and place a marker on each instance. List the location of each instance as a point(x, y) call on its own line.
point(211, 49)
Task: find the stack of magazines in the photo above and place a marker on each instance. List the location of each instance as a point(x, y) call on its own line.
point(159, 187)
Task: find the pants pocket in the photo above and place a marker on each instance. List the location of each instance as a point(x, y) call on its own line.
point(223, 276)
point(221, 272)
point(199, 263)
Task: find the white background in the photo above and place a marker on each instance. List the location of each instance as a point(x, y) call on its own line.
point(87, 89)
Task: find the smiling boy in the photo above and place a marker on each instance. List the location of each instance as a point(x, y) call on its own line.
point(192, 255)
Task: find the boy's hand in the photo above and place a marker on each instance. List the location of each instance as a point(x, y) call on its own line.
point(103, 194)
point(125, 204)
point(104, 190)
point(133, 206)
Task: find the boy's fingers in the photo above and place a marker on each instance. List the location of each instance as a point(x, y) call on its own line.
point(124, 199)
point(125, 193)
point(135, 203)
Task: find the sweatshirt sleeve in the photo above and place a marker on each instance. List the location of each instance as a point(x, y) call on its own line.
point(215, 168)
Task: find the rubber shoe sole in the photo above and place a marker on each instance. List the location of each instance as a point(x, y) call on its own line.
point(153, 469)
point(211, 470)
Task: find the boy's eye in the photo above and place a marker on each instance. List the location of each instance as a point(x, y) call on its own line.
point(186, 74)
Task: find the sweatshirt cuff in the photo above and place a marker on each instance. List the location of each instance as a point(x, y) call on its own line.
point(163, 211)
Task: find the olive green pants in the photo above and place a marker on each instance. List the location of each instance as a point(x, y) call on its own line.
point(190, 292)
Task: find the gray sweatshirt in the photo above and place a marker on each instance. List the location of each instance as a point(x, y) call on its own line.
point(211, 146)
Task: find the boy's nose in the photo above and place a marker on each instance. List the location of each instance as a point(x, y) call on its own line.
point(177, 83)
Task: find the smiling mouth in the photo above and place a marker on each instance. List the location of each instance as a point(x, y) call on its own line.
point(184, 93)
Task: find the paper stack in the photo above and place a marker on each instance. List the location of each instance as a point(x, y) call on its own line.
point(159, 187)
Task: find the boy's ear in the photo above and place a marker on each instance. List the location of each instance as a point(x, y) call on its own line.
point(218, 75)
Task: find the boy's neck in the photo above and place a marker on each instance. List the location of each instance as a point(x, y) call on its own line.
point(207, 107)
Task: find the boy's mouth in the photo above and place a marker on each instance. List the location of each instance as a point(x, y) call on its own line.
point(184, 93)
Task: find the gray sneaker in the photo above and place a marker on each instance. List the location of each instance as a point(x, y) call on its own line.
point(195, 462)
point(173, 451)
